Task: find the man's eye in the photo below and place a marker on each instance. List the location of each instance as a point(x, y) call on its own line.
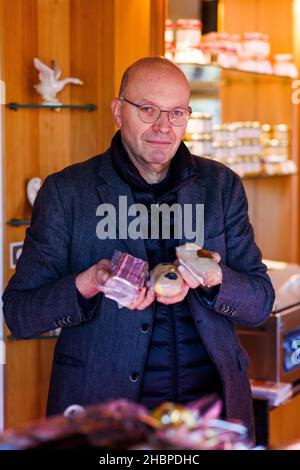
point(146, 109)
point(177, 112)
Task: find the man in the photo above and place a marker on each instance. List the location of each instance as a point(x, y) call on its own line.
point(161, 348)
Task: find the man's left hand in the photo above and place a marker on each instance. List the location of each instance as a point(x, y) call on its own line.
point(190, 282)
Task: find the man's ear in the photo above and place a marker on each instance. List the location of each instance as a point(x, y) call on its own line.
point(115, 107)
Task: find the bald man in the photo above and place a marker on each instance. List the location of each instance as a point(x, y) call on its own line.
point(158, 348)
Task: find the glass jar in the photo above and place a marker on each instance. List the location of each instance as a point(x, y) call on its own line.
point(202, 144)
point(169, 32)
point(275, 148)
point(188, 33)
point(284, 65)
point(255, 46)
point(266, 133)
point(200, 123)
point(169, 39)
point(281, 131)
point(189, 56)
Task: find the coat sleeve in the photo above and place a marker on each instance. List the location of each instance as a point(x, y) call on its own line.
point(42, 295)
point(246, 295)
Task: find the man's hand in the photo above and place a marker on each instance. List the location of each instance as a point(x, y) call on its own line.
point(90, 281)
point(190, 282)
point(143, 300)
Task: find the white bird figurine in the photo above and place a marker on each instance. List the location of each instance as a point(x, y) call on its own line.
point(50, 84)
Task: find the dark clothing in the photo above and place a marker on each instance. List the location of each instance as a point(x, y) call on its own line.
point(101, 354)
point(178, 367)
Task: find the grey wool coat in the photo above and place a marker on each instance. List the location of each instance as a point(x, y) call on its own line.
point(97, 353)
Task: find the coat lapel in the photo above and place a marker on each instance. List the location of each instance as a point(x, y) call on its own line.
point(110, 188)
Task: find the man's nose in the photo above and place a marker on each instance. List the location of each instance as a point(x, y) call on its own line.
point(162, 124)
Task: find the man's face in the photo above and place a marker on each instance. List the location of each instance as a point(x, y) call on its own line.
point(152, 144)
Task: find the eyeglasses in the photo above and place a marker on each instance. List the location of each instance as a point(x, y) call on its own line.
point(151, 113)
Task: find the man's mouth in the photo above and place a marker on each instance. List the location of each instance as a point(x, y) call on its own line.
point(162, 143)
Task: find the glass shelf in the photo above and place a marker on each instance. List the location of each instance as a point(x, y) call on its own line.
point(18, 222)
point(87, 107)
point(13, 338)
point(266, 176)
point(244, 72)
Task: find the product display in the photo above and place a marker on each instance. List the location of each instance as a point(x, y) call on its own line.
point(121, 424)
point(200, 263)
point(166, 280)
point(128, 276)
point(250, 52)
point(247, 147)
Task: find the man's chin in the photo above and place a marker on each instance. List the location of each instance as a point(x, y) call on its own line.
point(159, 159)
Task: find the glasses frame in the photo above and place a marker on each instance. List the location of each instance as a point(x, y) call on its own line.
point(139, 106)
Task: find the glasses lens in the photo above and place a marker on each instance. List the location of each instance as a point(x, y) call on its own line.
point(179, 116)
point(149, 112)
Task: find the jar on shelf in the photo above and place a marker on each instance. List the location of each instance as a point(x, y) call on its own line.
point(255, 45)
point(276, 148)
point(200, 123)
point(284, 65)
point(188, 33)
point(193, 55)
point(219, 151)
point(230, 132)
point(202, 144)
point(266, 133)
point(254, 53)
point(219, 132)
point(169, 33)
point(281, 131)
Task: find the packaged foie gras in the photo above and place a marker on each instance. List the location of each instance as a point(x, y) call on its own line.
point(128, 277)
point(200, 263)
point(166, 280)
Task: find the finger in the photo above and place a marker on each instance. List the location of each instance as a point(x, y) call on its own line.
point(216, 256)
point(213, 280)
point(149, 298)
point(189, 278)
point(104, 263)
point(138, 300)
point(102, 275)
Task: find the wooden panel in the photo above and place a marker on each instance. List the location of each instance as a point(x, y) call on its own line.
point(284, 423)
point(132, 34)
point(157, 26)
point(270, 208)
point(53, 38)
point(92, 60)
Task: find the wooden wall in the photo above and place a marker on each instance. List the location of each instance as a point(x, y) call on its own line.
point(93, 40)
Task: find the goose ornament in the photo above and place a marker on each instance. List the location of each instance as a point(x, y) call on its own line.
point(50, 84)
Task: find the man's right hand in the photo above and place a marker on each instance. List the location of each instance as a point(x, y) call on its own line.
point(89, 282)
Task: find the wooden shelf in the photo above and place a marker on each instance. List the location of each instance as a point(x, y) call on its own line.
point(16, 106)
